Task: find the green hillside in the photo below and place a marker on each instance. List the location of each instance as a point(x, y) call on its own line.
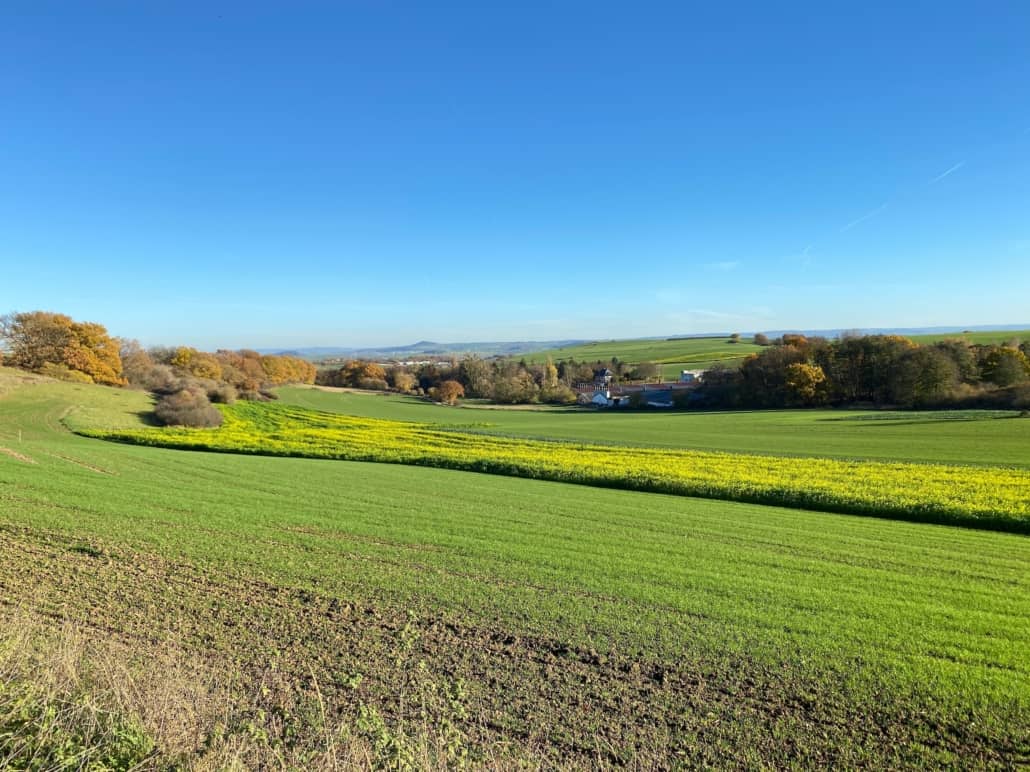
point(984, 337)
point(672, 355)
point(530, 617)
point(701, 353)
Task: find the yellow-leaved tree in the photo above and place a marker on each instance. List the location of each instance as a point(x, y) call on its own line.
point(38, 340)
point(806, 382)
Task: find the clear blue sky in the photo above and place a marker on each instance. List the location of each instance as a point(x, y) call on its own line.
point(373, 172)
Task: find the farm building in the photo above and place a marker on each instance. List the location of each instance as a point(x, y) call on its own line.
point(603, 399)
point(603, 379)
point(605, 391)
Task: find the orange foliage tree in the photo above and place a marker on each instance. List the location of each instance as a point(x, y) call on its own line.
point(448, 392)
point(36, 339)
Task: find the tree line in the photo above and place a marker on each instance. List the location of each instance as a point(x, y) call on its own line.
point(791, 371)
point(501, 380)
point(185, 380)
point(505, 380)
point(878, 370)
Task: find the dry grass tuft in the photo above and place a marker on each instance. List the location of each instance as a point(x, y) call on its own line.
point(70, 702)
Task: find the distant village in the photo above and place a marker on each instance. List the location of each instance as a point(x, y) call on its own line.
point(606, 392)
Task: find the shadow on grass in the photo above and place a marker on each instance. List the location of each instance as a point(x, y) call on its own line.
point(148, 418)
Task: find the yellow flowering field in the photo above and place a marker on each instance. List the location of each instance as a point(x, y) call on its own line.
point(984, 497)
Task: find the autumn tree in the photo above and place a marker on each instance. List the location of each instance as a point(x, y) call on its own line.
point(449, 392)
point(93, 352)
point(797, 340)
point(550, 375)
point(136, 362)
point(36, 338)
point(764, 376)
point(516, 388)
point(282, 368)
point(806, 382)
point(477, 375)
point(402, 380)
point(182, 357)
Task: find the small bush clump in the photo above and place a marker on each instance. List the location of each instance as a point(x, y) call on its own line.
point(221, 393)
point(187, 407)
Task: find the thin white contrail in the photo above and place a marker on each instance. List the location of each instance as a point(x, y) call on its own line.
point(954, 168)
point(864, 217)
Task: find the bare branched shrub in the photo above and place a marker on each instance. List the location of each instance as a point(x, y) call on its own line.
point(157, 378)
point(187, 407)
point(221, 393)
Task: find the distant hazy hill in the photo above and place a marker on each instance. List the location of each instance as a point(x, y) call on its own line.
point(917, 331)
point(424, 348)
point(428, 348)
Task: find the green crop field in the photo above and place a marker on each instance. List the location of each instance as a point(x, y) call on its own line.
point(672, 355)
point(702, 353)
point(528, 619)
point(983, 337)
point(975, 497)
point(996, 438)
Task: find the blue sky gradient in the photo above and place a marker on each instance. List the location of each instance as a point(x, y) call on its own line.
point(364, 173)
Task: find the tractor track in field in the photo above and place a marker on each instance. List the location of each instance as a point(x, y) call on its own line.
point(18, 456)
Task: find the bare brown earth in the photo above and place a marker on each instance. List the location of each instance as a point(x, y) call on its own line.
point(491, 693)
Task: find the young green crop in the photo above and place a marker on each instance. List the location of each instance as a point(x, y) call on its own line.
point(992, 498)
point(964, 437)
point(889, 644)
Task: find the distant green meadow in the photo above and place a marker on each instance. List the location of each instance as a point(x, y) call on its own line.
point(980, 437)
point(673, 355)
point(841, 640)
point(679, 354)
point(981, 337)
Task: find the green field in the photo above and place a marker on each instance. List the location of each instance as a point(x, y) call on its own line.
point(672, 355)
point(996, 438)
point(597, 627)
point(988, 337)
point(702, 353)
point(974, 497)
